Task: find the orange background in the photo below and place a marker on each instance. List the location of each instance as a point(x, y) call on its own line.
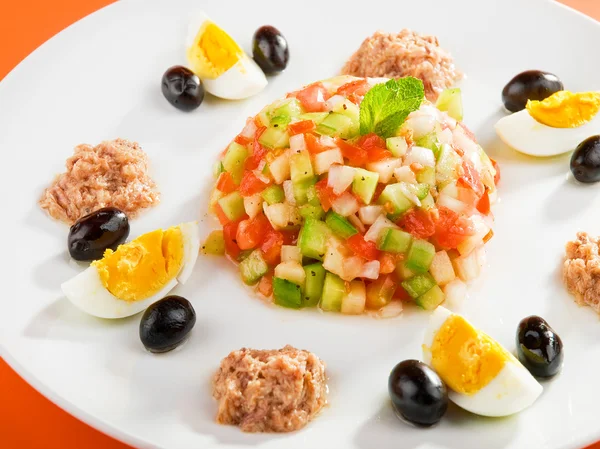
point(27, 419)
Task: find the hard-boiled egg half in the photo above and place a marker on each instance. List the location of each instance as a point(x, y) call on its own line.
point(226, 71)
point(482, 376)
point(553, 126)
point(139, 273)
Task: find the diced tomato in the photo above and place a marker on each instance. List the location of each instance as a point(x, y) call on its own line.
point(265, 286)
point(313, 98)
point(242, 140)
point(378, 190)
point(290, 237)
point(375, 147)
point(325, 194)
point(378, 154)
point(451, 229)
point(301, 127)
point(251, 184)
point(252, 232)
point(258, 151)
point(225, 183)
point(401, 294)
point(418, 222)
point(363, 248)
point(271, 247)
point(497, 168)
point(483, 205)
point(354, 90)
point(313, 145)
point(220, 214)
point(356, 155)
point(229, 235)
point(387, 263)
point(471, 178)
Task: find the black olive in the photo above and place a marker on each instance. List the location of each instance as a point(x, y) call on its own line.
point(529, 85)
point(585, 161)
point(539, 348)
point(417, 392)
point(270, 50)
point(182, 88)
point(167, 323)
point(93, 234)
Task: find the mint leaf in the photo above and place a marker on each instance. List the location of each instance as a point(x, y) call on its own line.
point(386, 106)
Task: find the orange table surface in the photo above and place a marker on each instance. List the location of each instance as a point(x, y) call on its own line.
point(27, 419)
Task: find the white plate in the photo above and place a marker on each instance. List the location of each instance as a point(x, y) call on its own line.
point(100, 79)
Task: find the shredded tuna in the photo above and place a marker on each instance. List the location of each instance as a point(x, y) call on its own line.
point(406, 53)
point(270, 391)
point(581, 270)
point(111, 174)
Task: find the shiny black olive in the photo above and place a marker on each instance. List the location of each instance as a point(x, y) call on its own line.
point(529, 85)
point(418, 394)
point(182, 88)
point(270, 50)
point(539, 348)
point(167, 323)
point(93, 234)
point(585, 161)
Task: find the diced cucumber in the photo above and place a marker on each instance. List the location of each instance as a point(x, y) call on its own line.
point(218, 169)
point(313, 286)
point(313, 239)
point(428, 202)
point(354, 300)
point(431, 142)
point(312, 197)
point(338, 125)
point(340, 225)
point(397, 145)
point(214, 244)
point(334, 290)
point(431, 299)
point(287, 294)
point(310, 211)
point(450, 100)
point(275, 137)
point(426, 176)
point(421, 190)
point(441, 268)
point(418, 285)
point(446, 168)
point(364, 184)
point(300, 167)
point(273, 194)
point(394, 241)
point(234, 159)
point(253, 268)
point(393, 194)
point(420, 255)
point(280, 121)
point(291, 271)
point(301, 190)
point(291, 108)
point(380, 292)
point(243, 255)
point(316, 117)
point(233, 206)
point(403, 272)
point(348, 109)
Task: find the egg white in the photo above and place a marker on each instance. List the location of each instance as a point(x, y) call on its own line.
point(511, 391)
point(87, 292)
point(244, 79)
point(526, 135)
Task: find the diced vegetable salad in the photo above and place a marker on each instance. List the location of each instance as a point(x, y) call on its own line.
point(328, 203)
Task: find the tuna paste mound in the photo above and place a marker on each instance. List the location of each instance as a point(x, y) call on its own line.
point(396, 55)
point(581, 270)
point(111, 174)
point(271, 390)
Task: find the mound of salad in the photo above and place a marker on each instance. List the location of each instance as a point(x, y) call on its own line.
point(354, 194)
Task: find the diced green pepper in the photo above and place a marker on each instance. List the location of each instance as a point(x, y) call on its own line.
point(233, 206)
point(287, 294)
point(253, 268)
point(313, 287)
point(420, 255)
point(418, 284)
point(431, 299)
point(334, 290)
point(273, 194)
point(394, 241)
point(234, 159)
point(340, 225)
point(214, 244)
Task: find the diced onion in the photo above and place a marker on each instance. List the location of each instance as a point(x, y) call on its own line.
point(351, 268)
point(340, 178)
point(467, 267)
point(421, 124)
point(356, 222)
point(288, 189)
point(420, 155)
point(450, 190)
point(280, 168)
point(481, 256)
point(405, 174)
point(451, 203)
point(385, 168)
point(391, 310)
point(249, 130)
point(464, 142)
point(327, 141)
point(375, 230)
point(456, 293)
point(253, 205)
point(410, 194)
point(473, 241)
point(334, 102)
point(354, 301)
point(291, 253)
point(444, 136)
point(370, 270)
point(345, 205)
point(261, 165)
point(324, 160)
point(281, 215)
point(297, 143)
point(368, 214)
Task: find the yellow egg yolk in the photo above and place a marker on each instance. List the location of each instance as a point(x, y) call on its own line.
point(465, 358)
point(565, 109)
point(140, 268)
point(213, 52)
